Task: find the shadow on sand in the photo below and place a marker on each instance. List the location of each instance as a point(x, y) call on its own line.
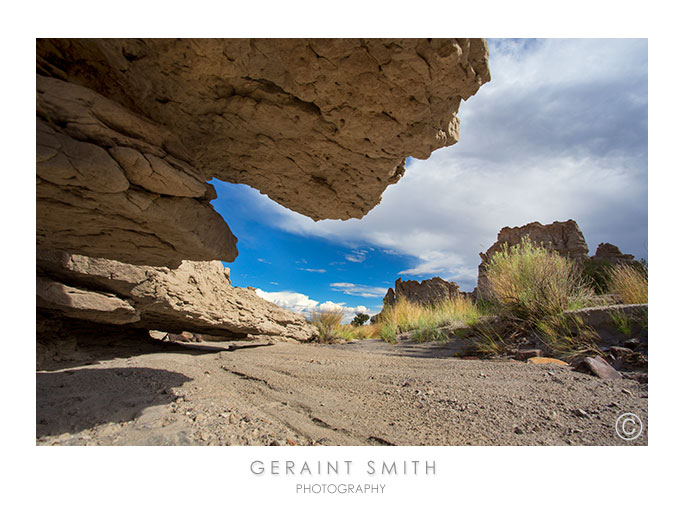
point(69, 401)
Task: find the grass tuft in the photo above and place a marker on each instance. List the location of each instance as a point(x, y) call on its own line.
point(328, 323)
point(630, 284)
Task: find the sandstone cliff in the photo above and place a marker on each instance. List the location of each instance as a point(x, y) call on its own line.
point(130, 130)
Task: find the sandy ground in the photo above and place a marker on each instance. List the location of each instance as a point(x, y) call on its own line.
point(360, 393)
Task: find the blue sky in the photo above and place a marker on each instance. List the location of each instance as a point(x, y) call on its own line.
point(560, 132)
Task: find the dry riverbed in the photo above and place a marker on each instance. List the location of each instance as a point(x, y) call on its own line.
point(360, 393)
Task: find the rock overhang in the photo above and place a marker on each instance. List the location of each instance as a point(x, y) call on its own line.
point(129, 131)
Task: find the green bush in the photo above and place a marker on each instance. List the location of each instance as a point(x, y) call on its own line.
point(360, 319)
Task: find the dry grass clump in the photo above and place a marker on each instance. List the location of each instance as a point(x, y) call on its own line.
point(425, 321)
point(349, 332)
point(630, 284)
point(529, 282)
point(328, 323)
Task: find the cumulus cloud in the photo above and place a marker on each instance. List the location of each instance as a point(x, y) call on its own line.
point(302, 304)
point(358, 290)
point(294, 301)
point(560, 133)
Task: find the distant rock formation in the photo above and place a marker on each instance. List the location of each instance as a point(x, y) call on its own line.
point(196, 297)
point(611, 253)
point(130, 130)
point(564, 237)
point(427, 292)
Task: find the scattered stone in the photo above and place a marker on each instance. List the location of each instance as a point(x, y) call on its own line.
point(632, 343)
point(621, 352)
point(526, 354)
point(541, 360)
point(599, 367)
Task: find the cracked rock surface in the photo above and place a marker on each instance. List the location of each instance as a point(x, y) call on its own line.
point(129, 132)
point(197, 296)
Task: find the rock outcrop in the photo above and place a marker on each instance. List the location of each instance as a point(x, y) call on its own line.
point(427, 292)
point(611, 253)
point(564, 237)
point(130, 130)
point(196, 297)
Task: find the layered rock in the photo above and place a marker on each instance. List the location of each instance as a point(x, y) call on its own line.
point(196, 297)
point(566, 238)
point(427, 292)
point(129, 132)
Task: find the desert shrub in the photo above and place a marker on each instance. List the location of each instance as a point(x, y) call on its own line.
point(630, 283)
point(360, 319)
point(529, 282)
point(597, 273)
point(328, 323)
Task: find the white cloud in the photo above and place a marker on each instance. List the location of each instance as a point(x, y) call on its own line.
point(302, 304)
point(358, 290)
point(312, 270)
point(294, 301)
point(357, 256)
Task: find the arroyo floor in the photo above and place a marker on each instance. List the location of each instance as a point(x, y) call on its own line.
point(360, 393)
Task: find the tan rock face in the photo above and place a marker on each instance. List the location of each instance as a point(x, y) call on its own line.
point(432, 291)
point(129, 131)
point(610, 252)
point(196, 297)
point(564, 237)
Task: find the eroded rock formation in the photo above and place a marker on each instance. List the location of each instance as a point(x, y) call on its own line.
point(129, 132)
point(196, 297)
point(611, 253)
point(564, 237)
point(427, 292)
